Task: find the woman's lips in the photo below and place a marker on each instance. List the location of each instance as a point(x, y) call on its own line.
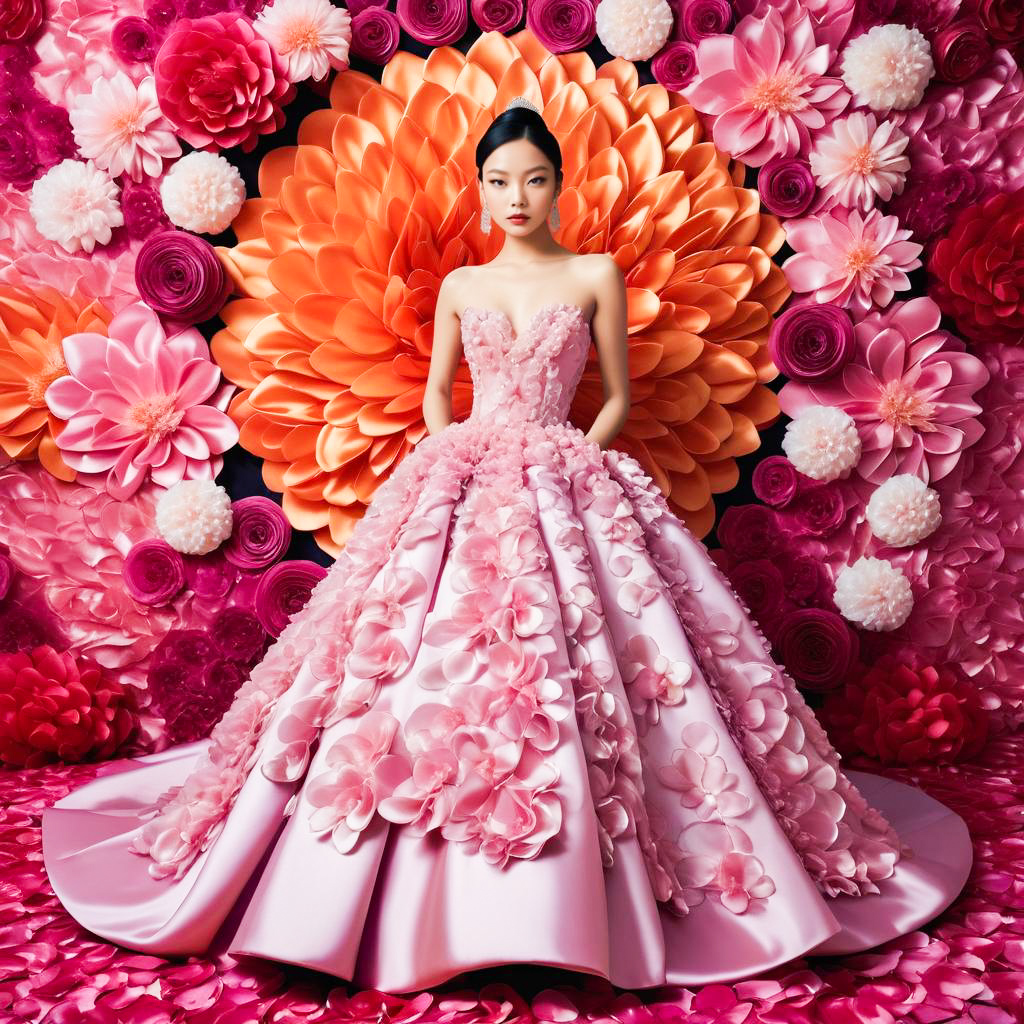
point(518, 218)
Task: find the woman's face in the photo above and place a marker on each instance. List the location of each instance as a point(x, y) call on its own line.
point(518, 182)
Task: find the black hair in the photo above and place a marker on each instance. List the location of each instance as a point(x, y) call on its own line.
point(519, 123)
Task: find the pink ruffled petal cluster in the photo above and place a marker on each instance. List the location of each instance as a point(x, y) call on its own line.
point(142, 405)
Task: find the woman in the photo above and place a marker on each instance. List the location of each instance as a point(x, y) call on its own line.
point(524, 719)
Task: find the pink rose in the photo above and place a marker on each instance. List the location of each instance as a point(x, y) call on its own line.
point(497, 15)
point(285, 589)
point(153, 572)
point(220, 83)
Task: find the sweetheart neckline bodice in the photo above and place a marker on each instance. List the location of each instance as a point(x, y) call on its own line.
point(501, 314)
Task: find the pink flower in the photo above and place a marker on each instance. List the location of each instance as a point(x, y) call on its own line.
point(346, 797)
point(424, 797)
point(852, 260)
point(701, 778)
point(909, 388)
point(741, 879)
point(220, 82)
point(766, 87)
point(859, 160)
point(141, 404)
point(312, 36)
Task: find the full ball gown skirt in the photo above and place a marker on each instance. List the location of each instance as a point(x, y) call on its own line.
point(524, 718)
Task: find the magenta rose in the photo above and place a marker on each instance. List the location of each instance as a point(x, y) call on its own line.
point(153, 572)
point(818, 509)
point(260, 535)
point(189, 647)
point(811, 342)
point(220, 82)
point(675, 64)
point(497, 15)
point(817, 647)
point(355, 6)
point(803, 578)
point(434, 22)
point(284, 590)
point(696, 19)
point(1004, 19)
point(210, 577)
point(786, 186)
point(134, 40)
point(775, 481)
point(238, 635)
point(562, 25)
point(375, 34)
point(180, 276)
point(961, 51)
point(143, 211)
point(223, 677)
point(750, 531)
point(20, 19)
point(758, 582)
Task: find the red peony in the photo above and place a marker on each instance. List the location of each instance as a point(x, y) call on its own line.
point(53, 708)
point(976, 270)
point(894, 712)
point(19, 19)
point(220, 82)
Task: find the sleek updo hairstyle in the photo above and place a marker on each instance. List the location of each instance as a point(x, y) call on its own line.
point(519, 123)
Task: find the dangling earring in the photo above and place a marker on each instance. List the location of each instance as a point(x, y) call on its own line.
point(485, 220)
point(555, 219)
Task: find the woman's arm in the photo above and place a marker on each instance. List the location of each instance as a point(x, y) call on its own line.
point(608, 328)
point(445, 355)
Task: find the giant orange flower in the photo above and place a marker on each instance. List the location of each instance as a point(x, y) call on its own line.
point(341, 259)
point(33, 323)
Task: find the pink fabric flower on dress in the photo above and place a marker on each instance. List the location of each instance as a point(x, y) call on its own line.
point(909, 387)
point(852, 260)
point(701, 778)
point(346, 796)
point(766, 87)
point(139, 404)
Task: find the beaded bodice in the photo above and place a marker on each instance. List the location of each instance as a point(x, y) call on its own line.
point(529, 376)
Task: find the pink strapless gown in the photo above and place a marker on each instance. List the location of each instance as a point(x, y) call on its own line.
point(523, 719)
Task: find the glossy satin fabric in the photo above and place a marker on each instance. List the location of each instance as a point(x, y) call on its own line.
point(399, 910)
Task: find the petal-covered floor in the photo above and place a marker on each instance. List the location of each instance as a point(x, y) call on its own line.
point(966, 966)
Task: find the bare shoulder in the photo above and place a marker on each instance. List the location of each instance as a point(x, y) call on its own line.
point(453, 285)
point(599, 267)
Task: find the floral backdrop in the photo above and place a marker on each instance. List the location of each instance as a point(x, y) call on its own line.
point(223, 224)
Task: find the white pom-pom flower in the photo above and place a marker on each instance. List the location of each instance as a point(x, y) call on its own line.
point(903, 511)
point(633, 29)
point(822, 442)
point(202, 192)
point(194, 516)
point(888, 68)
point(75, 204)
point(873, 594)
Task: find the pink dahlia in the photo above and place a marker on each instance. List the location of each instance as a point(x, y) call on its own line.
point(908, 387)
point(852, 260)
point(766, 87)
point(220, 82)
point(141, 404)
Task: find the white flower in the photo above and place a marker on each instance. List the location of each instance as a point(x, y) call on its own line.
point(312, 36)
point(76, 205)
point(822, 442)
point(856, 159)
point(903, 510)
point(888, 67)
point(194, 516)
point(633, 29)
point(874, 594)
point(202, 192)
point(120, 128)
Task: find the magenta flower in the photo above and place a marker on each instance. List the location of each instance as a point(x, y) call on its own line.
point(909, 388)
point(765, 87)
point(853, 260)
point(139, 404)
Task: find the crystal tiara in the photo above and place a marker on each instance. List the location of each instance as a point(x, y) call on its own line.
point(522, 101)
